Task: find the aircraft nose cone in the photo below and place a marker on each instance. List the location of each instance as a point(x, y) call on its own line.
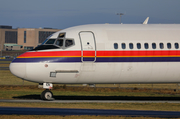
point(18, 69)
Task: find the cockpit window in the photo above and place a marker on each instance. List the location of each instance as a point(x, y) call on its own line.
point(61, 35)
point(68, 43)
point(45, 47)
point(50, 41)
point(59, 42)
point(44, 41)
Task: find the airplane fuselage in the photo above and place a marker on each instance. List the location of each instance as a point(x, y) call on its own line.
point(107, 53)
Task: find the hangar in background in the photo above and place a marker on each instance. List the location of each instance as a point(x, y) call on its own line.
point(23, 38)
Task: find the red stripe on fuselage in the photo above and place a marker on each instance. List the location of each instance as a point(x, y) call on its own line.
point(136, 53)
point(50, 54)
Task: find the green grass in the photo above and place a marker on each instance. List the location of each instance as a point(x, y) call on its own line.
point(8, 92)
point(5, 62)
point(6, 78)
point(4, 65)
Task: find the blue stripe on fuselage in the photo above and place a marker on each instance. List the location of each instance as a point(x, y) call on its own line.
point(64, 59)
point(100, 59)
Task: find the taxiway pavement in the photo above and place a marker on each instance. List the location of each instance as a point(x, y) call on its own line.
point(67, 111)
point(87, 101)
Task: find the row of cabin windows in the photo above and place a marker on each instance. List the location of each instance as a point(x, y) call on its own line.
point(146, 45)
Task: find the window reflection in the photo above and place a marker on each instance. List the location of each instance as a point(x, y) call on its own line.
point(146, 46)
point(50, 41)
point(123, 45)
point(169, 45)
point(68, 43)
point(115, 46)
point(154, 45)
point(59, 42)
point(161, 45)
point(176, 45)
point(138, 46)
point(130, 45)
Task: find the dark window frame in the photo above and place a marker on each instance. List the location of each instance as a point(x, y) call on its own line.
point(123, 45)
point(138, 45)
point(62, 35)
point(25, 33)
point(11, 37)
point(146, 45)
point(169, 46)
point(131, 46)
point(176, 45)
point(115, 45)
point(61, 44)
point(161, 45)
point(69, 45)
point(153, 45)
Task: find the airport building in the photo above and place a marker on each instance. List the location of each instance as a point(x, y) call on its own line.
point(23, 38)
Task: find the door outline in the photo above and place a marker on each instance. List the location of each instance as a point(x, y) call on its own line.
point(82, 46)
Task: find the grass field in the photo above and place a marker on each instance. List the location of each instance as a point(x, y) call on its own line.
point(8, 92)
point(6, 78)
point(1, 62)
point(60, 92)
point(4, 65)
point(80, 93)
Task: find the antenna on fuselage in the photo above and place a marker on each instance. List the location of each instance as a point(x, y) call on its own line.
point(146, 20)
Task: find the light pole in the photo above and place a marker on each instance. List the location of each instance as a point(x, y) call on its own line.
point(120, 14)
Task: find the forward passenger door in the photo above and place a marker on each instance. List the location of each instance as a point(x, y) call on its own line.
point(88, 46)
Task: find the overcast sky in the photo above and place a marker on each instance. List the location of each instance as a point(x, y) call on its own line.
point(66, 13)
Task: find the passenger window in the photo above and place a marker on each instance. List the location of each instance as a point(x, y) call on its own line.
point(59, 42)
point(115, 46)
point(68, 43)
point(138, 46)
point(123, 45)
point(161, 45)
point(176, 45)
point(154, 45)
point(130, 45)
point(146, 46)
point(169, 45)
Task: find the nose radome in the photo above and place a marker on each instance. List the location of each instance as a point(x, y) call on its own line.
point(18, 69)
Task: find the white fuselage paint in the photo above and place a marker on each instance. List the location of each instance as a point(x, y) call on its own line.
point(91, 72)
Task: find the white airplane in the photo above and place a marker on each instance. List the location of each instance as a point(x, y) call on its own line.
point(103, 54)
